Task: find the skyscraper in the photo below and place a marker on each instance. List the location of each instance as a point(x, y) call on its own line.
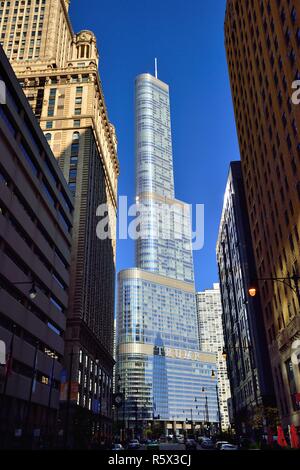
point(59, 73)
point(36, 212)
point(262, 43)
point(245, 341)
point(163, 373)
point(211, 338)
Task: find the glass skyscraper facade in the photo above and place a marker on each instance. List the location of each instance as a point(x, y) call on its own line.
point(164, 375)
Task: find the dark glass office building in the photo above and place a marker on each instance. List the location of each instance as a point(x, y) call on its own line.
point(246, 346)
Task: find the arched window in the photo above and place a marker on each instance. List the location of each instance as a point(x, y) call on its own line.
point(75, 136)
point(48, 136)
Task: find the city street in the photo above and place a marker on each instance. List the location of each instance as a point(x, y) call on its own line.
point(174, 447)
point(150, 229)
point(170, 446)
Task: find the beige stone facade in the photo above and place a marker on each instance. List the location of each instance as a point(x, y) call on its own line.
point(263, 53)
point(59, 73)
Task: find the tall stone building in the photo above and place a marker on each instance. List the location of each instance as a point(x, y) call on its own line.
point(59, 73)
point(263, 53)
point(211, 339)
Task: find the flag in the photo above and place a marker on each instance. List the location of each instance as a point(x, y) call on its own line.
point(294, 437)
point(281, 438)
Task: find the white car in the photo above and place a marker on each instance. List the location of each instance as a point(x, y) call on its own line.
point(228, 447)
point(219, 444)
point(117, 447)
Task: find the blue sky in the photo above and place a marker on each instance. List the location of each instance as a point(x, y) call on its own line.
point(187, 37)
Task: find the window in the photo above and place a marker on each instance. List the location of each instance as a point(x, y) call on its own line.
point(29, 158)
point(72, 187)
point(72, 174)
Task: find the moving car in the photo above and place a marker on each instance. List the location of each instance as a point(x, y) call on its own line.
point(134, 444)
point(228, 447)
point(220, 443)
point(117, 447)
point(153, 445)
point(207, 444)
point(191, 444)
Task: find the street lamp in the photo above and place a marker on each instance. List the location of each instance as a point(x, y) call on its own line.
point(252, 291)
point(32, 292)
point(287, 281)
point(213, 376)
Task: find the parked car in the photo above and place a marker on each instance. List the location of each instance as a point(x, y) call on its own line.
point(153, 445)
point(207, 444)
point(117, 447)
point(134, 444)
point(191, 444)
point(220, 443)
point(228, 447)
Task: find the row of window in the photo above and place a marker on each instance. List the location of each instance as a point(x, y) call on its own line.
point(4, 179)
point(28, 156)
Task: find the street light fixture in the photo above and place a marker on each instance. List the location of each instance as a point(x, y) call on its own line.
point(287, 281)
point(213, 376)
point(252, 291)
point(33, 292)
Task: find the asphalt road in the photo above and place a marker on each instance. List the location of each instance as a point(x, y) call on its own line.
point(169, 446)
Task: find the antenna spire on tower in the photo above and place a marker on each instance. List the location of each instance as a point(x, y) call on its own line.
point(155, 63)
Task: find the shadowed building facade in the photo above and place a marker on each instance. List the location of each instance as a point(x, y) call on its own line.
point(36, 211)
point(262, 41)
point(59, 74)
point(245, 340)
point(161, 368)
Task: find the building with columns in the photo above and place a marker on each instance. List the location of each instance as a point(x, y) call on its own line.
point(58, 70)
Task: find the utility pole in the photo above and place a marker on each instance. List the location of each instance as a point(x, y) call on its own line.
point(66, 433)
point(219, 409)
point(50, 395)
point(32, 384)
